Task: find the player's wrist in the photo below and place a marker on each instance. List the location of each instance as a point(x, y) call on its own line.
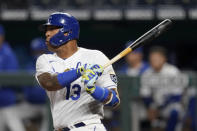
point(114, 101)
point(100, 94)
point(90, 89)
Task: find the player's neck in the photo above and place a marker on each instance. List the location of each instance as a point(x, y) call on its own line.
point(67, 50)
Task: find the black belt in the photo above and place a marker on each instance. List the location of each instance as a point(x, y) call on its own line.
point(75, 125)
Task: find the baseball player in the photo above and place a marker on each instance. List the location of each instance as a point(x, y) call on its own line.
point(135, 65)
point(74, 79)
point(19, 116)
point(8, 98)
point(160, 91)
point(34, 104)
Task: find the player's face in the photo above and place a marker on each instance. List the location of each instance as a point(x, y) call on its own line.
point(50, 32)
point(157, 60)
point(134, 58)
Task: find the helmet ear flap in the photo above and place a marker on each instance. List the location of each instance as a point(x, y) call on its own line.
point(58, 39)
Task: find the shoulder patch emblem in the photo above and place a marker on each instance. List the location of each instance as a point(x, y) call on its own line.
point(114, 78)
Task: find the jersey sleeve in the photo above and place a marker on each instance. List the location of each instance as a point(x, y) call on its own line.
point(108, 78)
point(43, 66)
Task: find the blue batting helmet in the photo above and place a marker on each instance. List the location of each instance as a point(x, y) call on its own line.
point(67, 23)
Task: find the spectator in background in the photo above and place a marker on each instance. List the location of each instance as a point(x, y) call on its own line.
point(35, 95)
point(135, 66)
point(134, 63)
point(190, 119)
point(161, 95)
point(9, 64)
point(38, 47)
point(33, 111)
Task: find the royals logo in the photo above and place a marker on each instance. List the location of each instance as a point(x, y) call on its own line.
point(114, 78)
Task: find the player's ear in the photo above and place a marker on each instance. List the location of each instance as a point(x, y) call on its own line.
point(66, 34)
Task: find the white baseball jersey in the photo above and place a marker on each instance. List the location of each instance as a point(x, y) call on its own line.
point(169, 81)
point(73, 104)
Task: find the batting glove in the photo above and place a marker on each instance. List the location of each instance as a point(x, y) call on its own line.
point(98, 69)
point(89, 79)
point(81, 70)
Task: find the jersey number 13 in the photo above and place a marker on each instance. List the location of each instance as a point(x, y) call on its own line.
point(76, 93)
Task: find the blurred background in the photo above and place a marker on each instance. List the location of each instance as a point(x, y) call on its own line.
point(157, 83)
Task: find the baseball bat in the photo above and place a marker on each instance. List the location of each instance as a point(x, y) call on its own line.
point(145, 38)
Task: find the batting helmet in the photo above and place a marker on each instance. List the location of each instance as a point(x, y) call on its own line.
point(67, 23)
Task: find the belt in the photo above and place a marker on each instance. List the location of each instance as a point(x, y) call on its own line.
point(81, 124)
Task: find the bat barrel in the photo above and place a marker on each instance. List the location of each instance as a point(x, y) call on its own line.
point(152, 34)
point(145, 38)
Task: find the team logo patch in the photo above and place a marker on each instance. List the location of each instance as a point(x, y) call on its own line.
point(114, 78)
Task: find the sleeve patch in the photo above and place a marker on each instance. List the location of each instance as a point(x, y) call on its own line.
point(114, 78)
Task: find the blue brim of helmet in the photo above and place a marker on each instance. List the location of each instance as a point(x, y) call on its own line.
point(44, 26)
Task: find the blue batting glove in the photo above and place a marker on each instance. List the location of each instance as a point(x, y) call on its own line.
point(89, 79)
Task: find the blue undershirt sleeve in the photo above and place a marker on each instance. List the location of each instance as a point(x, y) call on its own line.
point(101, 94)
point(68, 77)
point(114, 99)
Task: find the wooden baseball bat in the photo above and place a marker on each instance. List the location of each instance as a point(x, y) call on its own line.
point(145, 38)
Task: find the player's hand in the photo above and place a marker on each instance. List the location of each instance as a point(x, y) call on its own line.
point(89, 79)
point(98, 69)
point(81, 70)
